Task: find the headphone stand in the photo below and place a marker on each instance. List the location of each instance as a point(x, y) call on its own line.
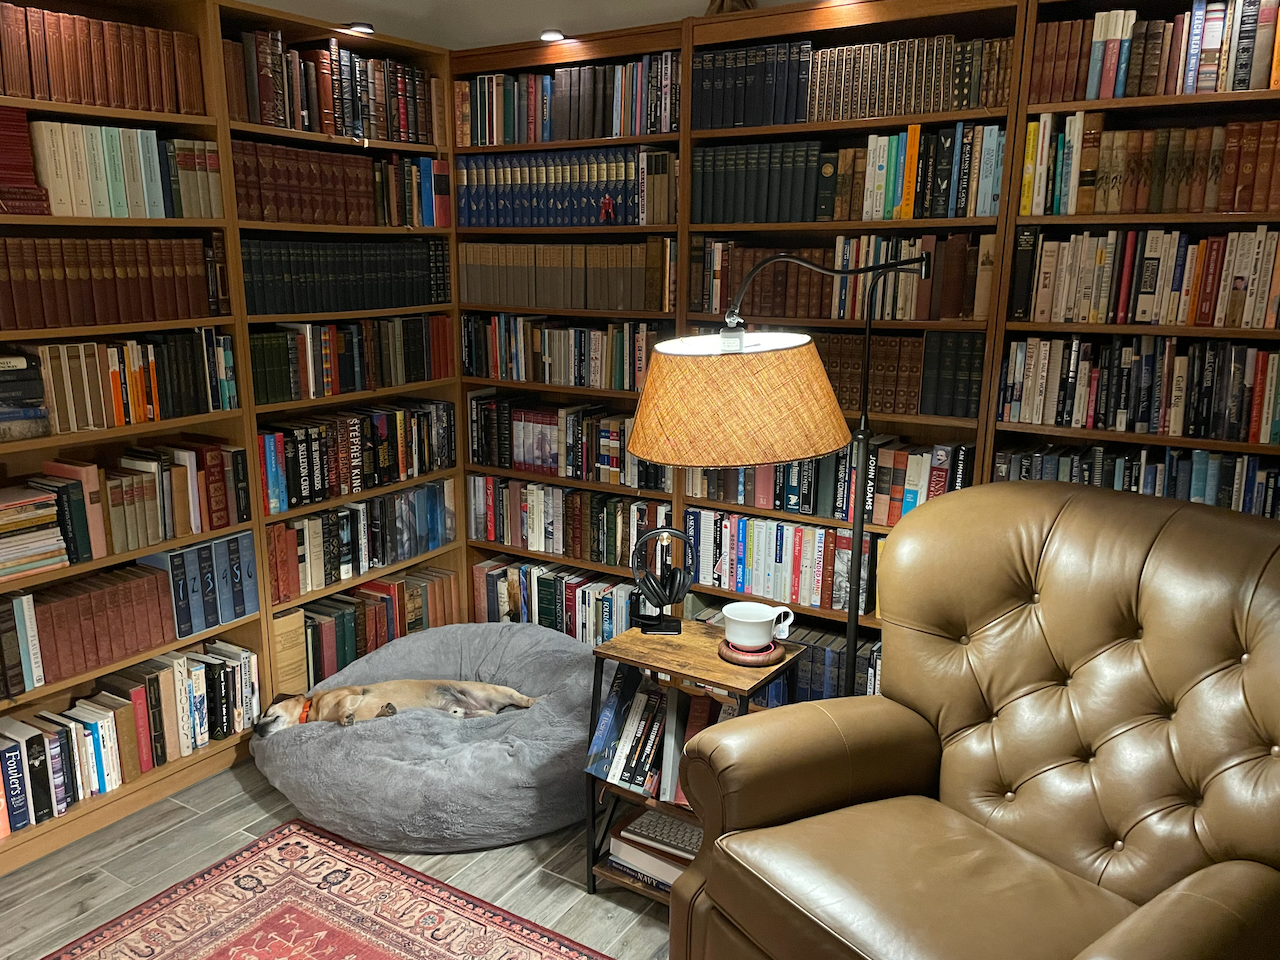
point(654, 625)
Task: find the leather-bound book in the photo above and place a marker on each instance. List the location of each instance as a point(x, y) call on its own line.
point(31, 272)
point(58, 272)
point(190, 86)
point(1137, 51)
point(1132, 171)
point(128, 65)
point(1090, 149)
point(1153, 56)
point(39, 63)
point(1075, 45)
point(115, 63)
point(1082, 65)
point(1249, 141)
point(14, 51)
point(953, 279)
point(154, 69)
point(82, 62)
point(1264, 169)
point(55, 74)
point(1230, 168)
point(1177, 183)
point(197, 281)
point(141, 79)
point(1199, 167)
point(1159, 170)
point(98, 62)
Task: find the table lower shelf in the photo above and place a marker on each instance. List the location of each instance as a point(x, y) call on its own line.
point(604, 871)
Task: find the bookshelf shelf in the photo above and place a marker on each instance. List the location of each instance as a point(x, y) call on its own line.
point(624, 572)
point(786, 515)
point(1140, 329)
point(1259, 98)
point(534, 387)
point(1141, 439)
point(95, 811)
point(570, 312)
point(602, 142)
point(1155, 219)
point(339, 228)
point(84, 438)
point(335, 502)
point(112, 329)
point(115, 114)
point(266, 131)
point(132, 223)
point(649, 803)
point(797, 130)
point(340, 316)
point(358, 396)
point(373, 574)
point(924, 420)
point(603, 228)
point(113, 559)
point(39, 693)
point(871, 623)
point(604, 871)
point(569, 482)
point(850, 326)
point(849, 226)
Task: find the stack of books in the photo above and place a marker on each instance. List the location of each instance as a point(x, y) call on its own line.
point(73, 59)
point(92, 171)
point(23, 413)
point(31, 538)
point(1213, 47)
point(587, 606)
point(140, 718)
point(322, 88)
point(653, 848)
point(20, 193)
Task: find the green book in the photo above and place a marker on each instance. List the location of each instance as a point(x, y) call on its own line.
point(890, 178)
point(113, 155)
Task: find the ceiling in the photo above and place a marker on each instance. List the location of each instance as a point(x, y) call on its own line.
point(462, 24)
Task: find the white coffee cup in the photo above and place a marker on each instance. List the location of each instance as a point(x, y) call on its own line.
point(753, 626)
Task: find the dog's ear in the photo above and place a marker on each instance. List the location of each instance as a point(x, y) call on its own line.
point(281, 697)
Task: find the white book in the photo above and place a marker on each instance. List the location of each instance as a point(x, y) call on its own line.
point(1042, 378)
point(1028, 365)
point(1075, 134)
point(869, 183)
point(1265, 276)
point(1048, 406)
point(769, 556)
point(1062, 283)
point(1224, 285)
point(96, 170)
point(1085, 276)
point(1236, 12)
point(152, 184)
point(762, 550)
point(882, 207)
point(182, 700)
point(1122, 414)
point(1164, 274)
point(1188, 289)
point(1081, 408)
point(1047, 277)
point(87, 709)
point(628, 734)
point(1045, 136)
point(77, 170)
point(133, 190)
point(24, 615)
point(1252, 298)
point(1102, 286)
point(49, 150)
point(20, 733)
point(199, 698)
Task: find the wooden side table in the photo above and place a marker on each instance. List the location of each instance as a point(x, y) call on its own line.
point(689, 657)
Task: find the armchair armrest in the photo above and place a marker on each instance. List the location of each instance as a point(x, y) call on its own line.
point(800, 760)
point(1226, 910)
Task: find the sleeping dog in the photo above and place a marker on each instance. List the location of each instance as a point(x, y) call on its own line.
point(346, 705)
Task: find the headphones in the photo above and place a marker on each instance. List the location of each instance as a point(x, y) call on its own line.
point(675, 583)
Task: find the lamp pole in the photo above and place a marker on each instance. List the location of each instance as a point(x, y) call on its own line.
point(860, 491)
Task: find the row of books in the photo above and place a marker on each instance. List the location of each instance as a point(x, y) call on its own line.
point(92, 171)
point(312, 642)
point(634, 742)
point(1219, 389)
point(939, 374)
point(592, 276)
point(71, 282)
point(589, 102)
point(303, 361)
point(213, 584)
point(140, 718)
point(326, 456)
point(320, 87)
point(505, 346)
point(580, 442)
point(275, 183)
point(1237, 482)
point(74, 59)
point(1147, 277)
point(618, 186)
point(560, 521)
point(100, 386)
point(1214, 47)
point(780, 83)
point(587, 606)
point(1086, 169)
point(293, 276)
point(962, 269)
point(19, 189)
point(325, 548)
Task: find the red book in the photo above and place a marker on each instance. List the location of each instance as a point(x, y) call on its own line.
point(1207, 295)
point(1126, 277)
point(1110, 64)
point(1259, 389)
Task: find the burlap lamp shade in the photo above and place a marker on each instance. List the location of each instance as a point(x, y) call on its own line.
point(702, 407)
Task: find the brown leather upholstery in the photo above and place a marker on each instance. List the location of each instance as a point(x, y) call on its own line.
point(1077, 754)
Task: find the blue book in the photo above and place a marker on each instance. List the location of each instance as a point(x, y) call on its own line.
point(1122, 67)
point(426, 193)
point(998, 176)
point(222, 580)
point(538, 196)
point(986, 170)
point(955, 169)
point(1058, 169)
point(890, 177)
point(900, 178)
point(1096, 53)
point(1250, 469)
point(174, 563)
point(95, 738)
point(740, 556)
point(1212, 478)
point(488, 190)
point(195, 592)
point(208, 583)
point(462, 186)
point(1199, 474)
point(546, 108)
point(24, 413)
point(249, 571)
point(14, 774)
point(1195, 36)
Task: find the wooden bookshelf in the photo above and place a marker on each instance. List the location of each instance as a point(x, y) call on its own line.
point(355, 398)
point(308, 138)
point(535, 387)
point(111, 329)
point(1133, 329)
point(89, 111)
point(864, 124)
point(652, 139)
point(281, 226)
point(570, 312)
point(569, 482)
point(1141, 439)
point(550, 558)
point(593, 230)
point(343, 316)
point(88, 438)
point(373, 573)
point(924, 224)
point(310, 508)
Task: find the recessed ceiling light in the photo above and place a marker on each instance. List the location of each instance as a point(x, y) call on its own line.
point(360, 27)
point(550, 36)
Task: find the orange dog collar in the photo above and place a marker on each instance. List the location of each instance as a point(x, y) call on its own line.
point(306, 710)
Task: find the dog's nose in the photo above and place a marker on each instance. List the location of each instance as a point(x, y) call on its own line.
point(261, 727)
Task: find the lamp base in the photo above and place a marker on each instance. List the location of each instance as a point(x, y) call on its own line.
point(659, 625)
point(764, 657)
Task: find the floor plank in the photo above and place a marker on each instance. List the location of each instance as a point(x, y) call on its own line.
point(541, 898)
point(646, 939)
point(63, 907)
point(598, 921)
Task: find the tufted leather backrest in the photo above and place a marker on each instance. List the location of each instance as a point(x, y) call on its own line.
point(1103, 670)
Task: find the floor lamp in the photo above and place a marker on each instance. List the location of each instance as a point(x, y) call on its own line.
point(738, 399)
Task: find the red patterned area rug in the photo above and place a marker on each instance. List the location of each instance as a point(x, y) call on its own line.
point(303, 894)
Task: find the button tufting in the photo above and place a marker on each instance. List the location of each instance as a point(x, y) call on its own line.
point(1138, 633)
point(1035, 598)
point(1009, 796)
point(964, 640)
point(1198, 802)
point(1118, 846)
point(1275, 751)
point(1244, 658)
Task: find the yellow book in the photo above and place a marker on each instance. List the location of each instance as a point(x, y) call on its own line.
point(1029, 168)
point(909, 173)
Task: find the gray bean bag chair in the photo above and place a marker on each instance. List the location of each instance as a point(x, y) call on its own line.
point(425, 781)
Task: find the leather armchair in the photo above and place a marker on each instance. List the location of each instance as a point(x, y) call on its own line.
point(1076, 756)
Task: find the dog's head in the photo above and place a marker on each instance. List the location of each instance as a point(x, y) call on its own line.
point(285, 711)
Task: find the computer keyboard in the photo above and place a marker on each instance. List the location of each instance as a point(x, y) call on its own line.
point(677, 837)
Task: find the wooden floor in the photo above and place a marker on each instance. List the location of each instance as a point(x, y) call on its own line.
point(73, 890)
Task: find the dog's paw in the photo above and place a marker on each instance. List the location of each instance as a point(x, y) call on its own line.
point(388, 710)
point(346, 720)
